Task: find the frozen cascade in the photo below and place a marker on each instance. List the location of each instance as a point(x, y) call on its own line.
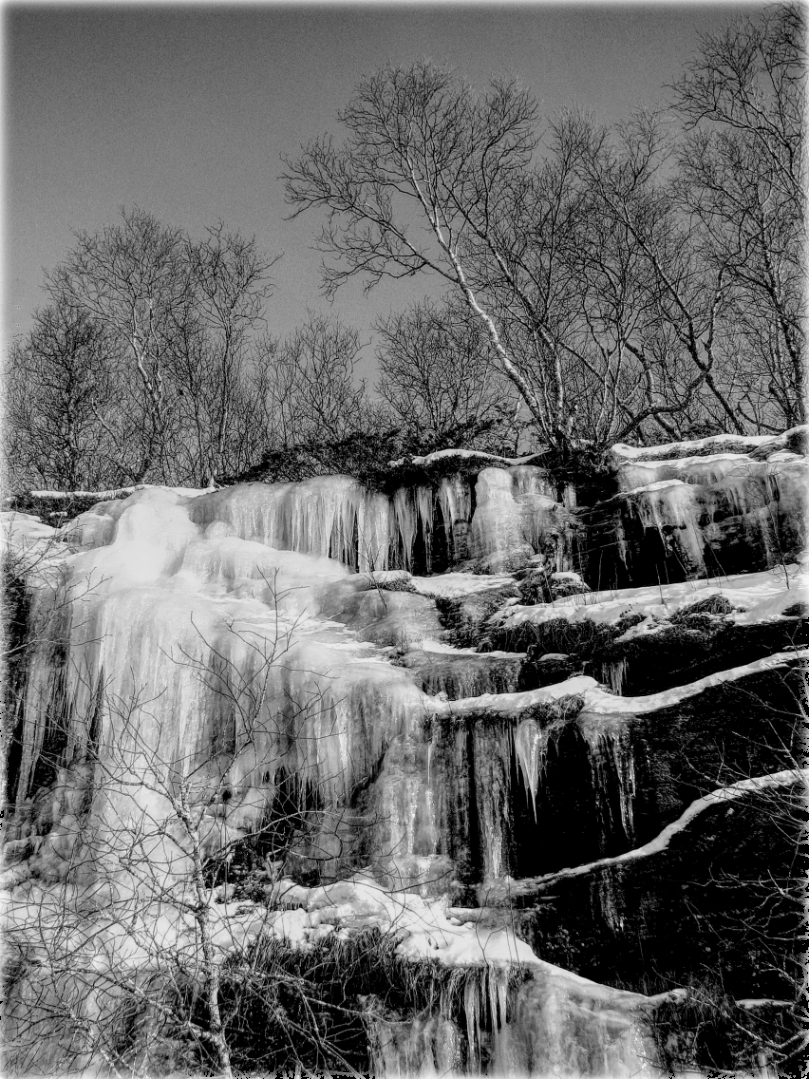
point(515, 513)
point(335, 516)
point(239, 637)
point(193, 650)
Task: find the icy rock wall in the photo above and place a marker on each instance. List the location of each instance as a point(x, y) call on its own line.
point(693, 516)
point(225, 643)
point(523, 793)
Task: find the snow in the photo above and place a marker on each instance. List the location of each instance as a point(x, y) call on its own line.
point(710, 469)
point(647, 628)
point(760, 593)
point(383, 577)
point(457, 585)
point(511, 704)
point(119, 492)
point(462, 454)
point(713, 442)
point(773, 607)
point(36, 550)
point(440, 648)
point(732, 473)
point(22, 527)
point(598, 702)
point(763, 1002)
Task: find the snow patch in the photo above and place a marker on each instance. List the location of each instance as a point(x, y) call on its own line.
point(456, 585)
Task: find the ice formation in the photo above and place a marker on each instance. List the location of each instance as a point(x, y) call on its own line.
point(276, 653)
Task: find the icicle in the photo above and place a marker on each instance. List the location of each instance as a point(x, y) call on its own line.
point(472, 1012)
point(614, 674)
point(673, 505)
point(455, 500)
point(530, 748)
point(613, 770)
point(608, 900)
point(625, 771)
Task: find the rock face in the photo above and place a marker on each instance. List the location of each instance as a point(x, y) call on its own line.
point(471, 695)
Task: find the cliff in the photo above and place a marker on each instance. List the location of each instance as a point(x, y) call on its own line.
point(542, 737)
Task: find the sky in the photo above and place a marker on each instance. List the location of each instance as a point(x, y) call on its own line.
point(184, 111)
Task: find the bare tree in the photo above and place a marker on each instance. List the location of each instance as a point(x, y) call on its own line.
point(742, 177)
point(425, 149)
point(176, 316)
point(313, 391)
point(557, 292)
point(437, 371)
point(60, 406)
point(229, 288)
point(624, 280)
point(681, 300)
point(131, 279)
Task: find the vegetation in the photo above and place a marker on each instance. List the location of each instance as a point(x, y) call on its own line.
point(624, 279)
point(637, 283)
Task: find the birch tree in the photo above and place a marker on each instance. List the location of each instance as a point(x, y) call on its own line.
point(422, 184)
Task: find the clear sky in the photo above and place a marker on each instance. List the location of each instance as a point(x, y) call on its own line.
point(184, 111)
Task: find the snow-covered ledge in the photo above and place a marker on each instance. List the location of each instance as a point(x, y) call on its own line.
point(499, 892)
